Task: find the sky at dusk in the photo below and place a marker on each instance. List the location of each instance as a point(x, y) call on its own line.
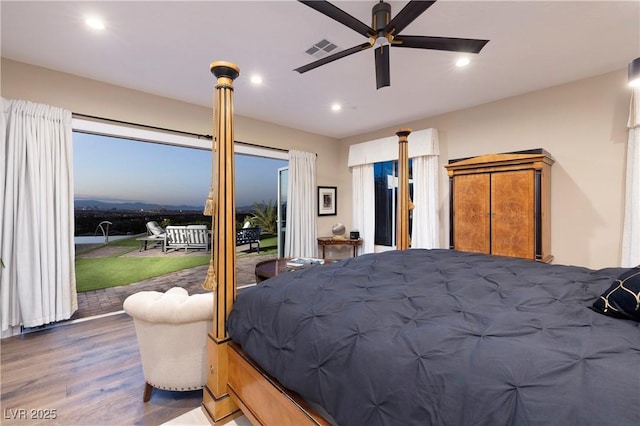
point(118, 170)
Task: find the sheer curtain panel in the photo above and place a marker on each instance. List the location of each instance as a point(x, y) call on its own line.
point(301, 236)
point(37, 283)
point(363, 204)
point(631, 227)
point(425, 221)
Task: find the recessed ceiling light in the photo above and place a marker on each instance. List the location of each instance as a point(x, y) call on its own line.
point(462, 62)
point(95, 23)
point(336, 107)
point(256, 79)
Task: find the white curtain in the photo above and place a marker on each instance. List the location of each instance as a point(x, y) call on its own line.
point(631, 227)
point(423, 152)
point(37, 283)
point(425, 222)
point(301, 237)
point(363, 205)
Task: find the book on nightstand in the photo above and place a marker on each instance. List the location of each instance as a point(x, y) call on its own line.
point(304, 261)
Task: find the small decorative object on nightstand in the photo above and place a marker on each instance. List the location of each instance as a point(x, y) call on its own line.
point(338, 231)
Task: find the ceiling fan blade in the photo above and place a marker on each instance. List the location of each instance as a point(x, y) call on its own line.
point(407, 15)
point(341, 16)
point(467, 45)
point(383, 75)
point(333, 57)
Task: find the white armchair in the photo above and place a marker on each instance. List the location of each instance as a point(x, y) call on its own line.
point(172, 330)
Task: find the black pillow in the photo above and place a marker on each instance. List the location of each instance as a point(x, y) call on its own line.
point(622, 298)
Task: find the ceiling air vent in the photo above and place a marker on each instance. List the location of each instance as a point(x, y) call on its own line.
point(321, 49)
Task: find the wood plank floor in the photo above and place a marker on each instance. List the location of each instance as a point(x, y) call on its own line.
point(88, 372)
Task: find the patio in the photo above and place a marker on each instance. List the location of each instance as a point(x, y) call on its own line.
point(105, 301)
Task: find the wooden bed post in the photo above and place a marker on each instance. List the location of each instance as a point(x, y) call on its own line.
point(221, 276)
point(404, 203)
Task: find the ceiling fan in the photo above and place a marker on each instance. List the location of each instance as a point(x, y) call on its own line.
point(385, 32)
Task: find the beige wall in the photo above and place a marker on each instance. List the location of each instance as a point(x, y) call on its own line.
point(582, 124)
point(85, 96)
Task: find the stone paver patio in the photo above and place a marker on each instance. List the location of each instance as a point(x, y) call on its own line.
point(98, 302)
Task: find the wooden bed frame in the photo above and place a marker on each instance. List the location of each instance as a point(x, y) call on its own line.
point(236, 385)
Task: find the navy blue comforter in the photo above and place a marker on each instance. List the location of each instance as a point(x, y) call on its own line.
point(440, 337)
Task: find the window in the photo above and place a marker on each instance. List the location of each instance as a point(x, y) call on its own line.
point(386, 197)
point(128, 176)
point(128, 183)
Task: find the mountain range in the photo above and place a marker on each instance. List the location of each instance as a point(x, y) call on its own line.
point(85, 204)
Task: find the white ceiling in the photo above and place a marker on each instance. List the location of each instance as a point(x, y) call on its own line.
point(165, 48)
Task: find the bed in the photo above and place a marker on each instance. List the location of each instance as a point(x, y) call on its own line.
point(428, 337)
point(444, 337)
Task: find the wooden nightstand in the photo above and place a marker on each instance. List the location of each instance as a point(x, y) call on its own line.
point(329, 241)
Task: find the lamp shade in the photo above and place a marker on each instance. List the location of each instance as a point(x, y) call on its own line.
point(634, 73)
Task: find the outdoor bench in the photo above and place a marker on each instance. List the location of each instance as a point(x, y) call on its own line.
point(186, 237)
point(249, 236)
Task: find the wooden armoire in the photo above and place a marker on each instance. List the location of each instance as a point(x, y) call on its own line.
point(500, 204)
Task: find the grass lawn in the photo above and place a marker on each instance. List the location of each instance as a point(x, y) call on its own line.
point(104, 272)
point(268, 245)
point(114, 270)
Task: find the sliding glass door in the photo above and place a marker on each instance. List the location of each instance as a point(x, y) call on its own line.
point(283, 183)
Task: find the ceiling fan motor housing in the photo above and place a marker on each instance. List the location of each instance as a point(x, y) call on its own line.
point(381, 16)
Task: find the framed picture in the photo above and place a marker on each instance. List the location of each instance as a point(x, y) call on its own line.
point(327, 200)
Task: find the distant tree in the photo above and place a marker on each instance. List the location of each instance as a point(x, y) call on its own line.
point(265, 215)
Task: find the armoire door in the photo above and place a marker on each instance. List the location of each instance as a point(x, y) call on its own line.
point(471, 209)
point(513, 214)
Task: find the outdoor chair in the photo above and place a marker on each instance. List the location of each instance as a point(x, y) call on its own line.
point(172, 330)
point(155, 235)
point(153, 229)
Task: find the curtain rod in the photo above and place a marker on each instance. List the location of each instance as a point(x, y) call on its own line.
point(164, 129)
